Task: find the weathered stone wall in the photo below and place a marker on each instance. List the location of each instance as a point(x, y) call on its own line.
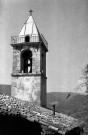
point(35, 60)
point(16, 61)
point(26, 88)
point(43, 91)
point(32, 86)
point(43, 77)
point(43, 61)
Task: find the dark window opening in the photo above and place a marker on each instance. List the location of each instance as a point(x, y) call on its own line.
point(27, 38)
point(26, 62)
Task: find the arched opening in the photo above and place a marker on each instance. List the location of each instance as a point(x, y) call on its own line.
point(27, 38)
point(26, 61)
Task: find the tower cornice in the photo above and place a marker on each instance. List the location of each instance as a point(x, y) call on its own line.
point(26, 74)
point(30, 44)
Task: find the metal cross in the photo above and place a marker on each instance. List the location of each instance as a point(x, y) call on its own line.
point(31, 12)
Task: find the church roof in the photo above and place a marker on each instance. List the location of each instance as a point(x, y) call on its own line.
point(60, 123)
point(29, 27)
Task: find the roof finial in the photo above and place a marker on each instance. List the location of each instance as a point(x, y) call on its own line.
point(31, 12)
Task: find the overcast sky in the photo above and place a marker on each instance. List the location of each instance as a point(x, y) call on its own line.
point(64, 24)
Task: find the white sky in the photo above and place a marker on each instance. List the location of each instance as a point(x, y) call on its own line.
point(64, 24)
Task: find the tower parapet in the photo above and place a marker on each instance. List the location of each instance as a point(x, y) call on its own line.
point(29, 39)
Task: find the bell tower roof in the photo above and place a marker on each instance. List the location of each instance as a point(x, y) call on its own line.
point(29, 27)
point(29, 34)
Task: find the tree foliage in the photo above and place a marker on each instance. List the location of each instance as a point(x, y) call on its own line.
point(85, 76)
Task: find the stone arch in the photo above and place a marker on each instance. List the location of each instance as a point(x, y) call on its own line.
point(26, 61)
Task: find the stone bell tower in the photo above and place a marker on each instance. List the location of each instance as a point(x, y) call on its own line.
point(29, 64)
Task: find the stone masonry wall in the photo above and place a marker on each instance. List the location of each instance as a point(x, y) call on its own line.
point(16, 60)
point(35, 60)
point(29, 87)
point(43, 61)
point(43, 77)
point(43, 91)
point(26, 88)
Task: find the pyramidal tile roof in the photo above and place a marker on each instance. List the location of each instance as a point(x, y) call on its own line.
point(29, 30)
point(29, 27)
